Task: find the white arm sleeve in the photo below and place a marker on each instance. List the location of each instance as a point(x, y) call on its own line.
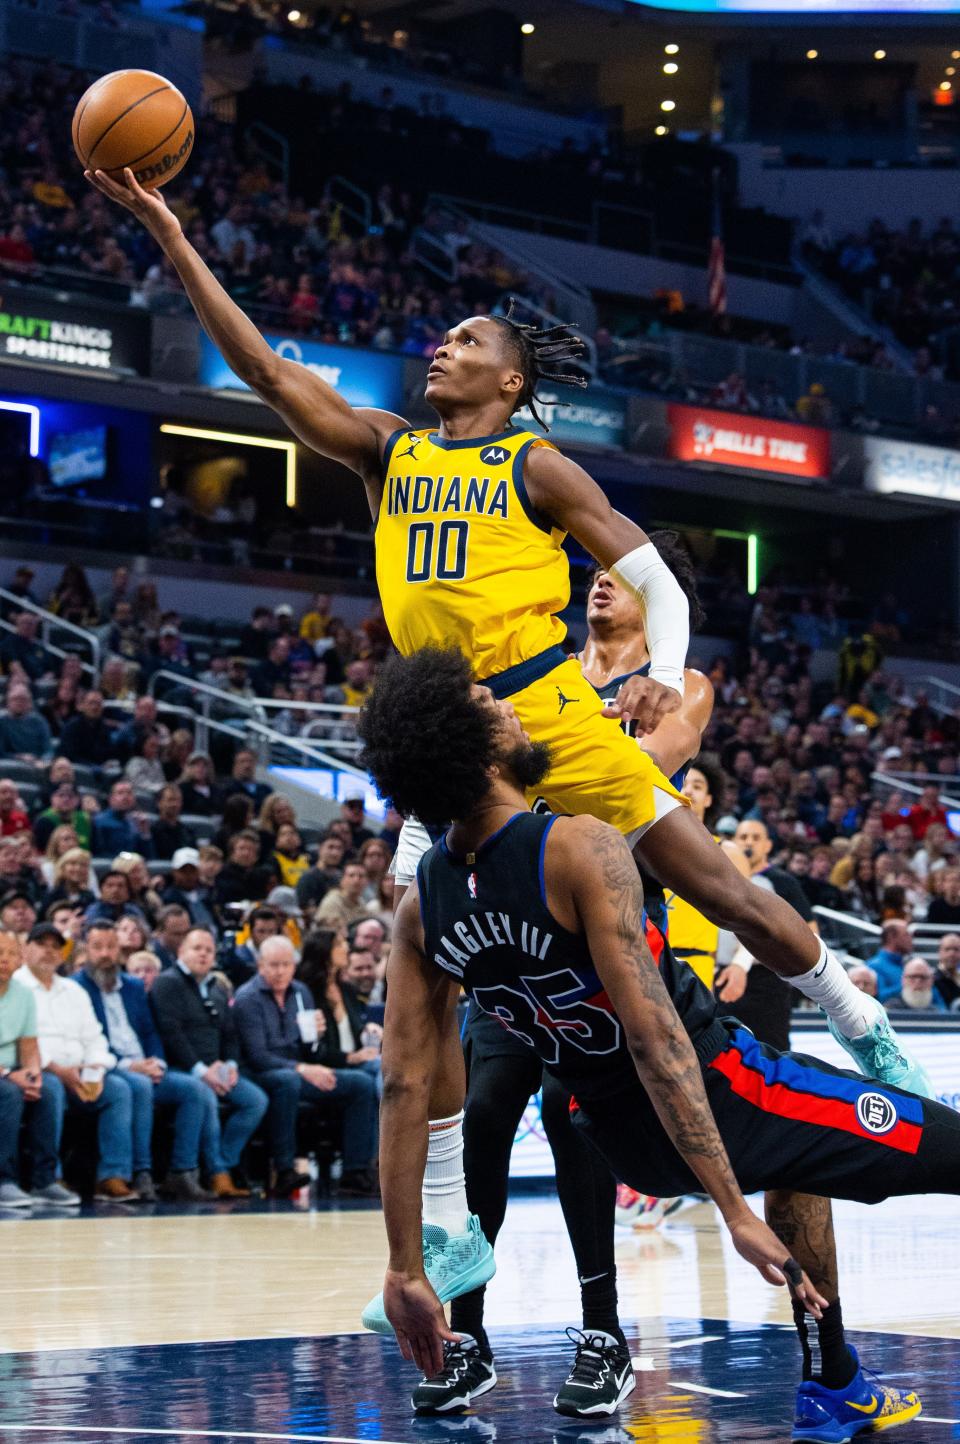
point(666, 615)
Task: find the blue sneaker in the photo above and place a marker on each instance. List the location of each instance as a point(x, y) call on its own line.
point(832, 1416)
point(454, 1264)
point(880, 1054)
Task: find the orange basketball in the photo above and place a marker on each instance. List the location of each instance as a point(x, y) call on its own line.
point(133, 118)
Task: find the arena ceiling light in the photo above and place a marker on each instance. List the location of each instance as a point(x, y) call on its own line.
point(879, 55)
point(671, 68)
point(34, 414)
point(237, 438)
point(662, 130)
point(671, 50)
point(668, 105)
point(527, 28)
point(812, 54)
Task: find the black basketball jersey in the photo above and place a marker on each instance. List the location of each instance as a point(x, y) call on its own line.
point(486, 922)
point(653, 896)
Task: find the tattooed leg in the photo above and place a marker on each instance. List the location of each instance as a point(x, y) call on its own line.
point(804, 1223)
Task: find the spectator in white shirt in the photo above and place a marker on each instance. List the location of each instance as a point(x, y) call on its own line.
point(77, 1061)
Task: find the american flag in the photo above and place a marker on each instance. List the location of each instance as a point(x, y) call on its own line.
point(717, 264)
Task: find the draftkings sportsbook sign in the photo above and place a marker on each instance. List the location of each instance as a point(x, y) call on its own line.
point(751, 443)
point(81, 337)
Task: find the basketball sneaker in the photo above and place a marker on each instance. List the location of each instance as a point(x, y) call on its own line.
point(465, 1375)
point(881, 1055)
point(454, 1264)
point(601, 1377)
point(641, 1210)
point(832, 1416)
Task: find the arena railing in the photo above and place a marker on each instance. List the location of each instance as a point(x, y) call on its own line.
point(48, 622)
point(253, 712)
point(895, 783)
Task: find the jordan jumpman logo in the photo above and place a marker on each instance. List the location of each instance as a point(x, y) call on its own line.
point(412, 448)
point(564, 700)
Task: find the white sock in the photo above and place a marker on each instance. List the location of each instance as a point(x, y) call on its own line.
point(827, 984)
point(444, 1191)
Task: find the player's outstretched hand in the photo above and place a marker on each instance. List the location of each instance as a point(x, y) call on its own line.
point(760, 1246)
point(643, 702)
point(418, 1320)
point(149, 207)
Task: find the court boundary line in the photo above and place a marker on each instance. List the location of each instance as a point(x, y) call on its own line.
point(179, 1430)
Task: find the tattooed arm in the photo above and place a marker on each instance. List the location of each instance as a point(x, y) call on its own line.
point(594, 862)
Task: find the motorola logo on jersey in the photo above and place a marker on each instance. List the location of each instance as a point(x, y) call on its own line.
point(494, 455)
point(876, 1113)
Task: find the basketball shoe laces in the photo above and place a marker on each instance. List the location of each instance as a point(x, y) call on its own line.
point(591, 1360)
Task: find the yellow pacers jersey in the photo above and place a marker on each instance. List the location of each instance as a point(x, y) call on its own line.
point(462, 557)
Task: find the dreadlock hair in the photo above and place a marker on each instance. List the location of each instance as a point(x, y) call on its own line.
point(421, 711)
point(535, 350)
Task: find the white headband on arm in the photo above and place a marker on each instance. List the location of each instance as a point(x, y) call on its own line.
point(666, 614)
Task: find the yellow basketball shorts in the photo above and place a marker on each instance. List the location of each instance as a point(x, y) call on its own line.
point(597, 768)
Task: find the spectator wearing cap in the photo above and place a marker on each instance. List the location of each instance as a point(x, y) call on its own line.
point(185, 889)
point(243, 778)
point(268, 1009)
point(115, 899)
point(18, 913)
point(195, 1021)
point(24, 1102)
point(198, 788)
point(86, 738)
point(64, 811)
point(344, 904)
point(351, 812)
point(168, 833)
point(173, 924)
point(947, 980)
point(23, 732)
point(121, 828)
point(77, 1062)
point(123, 1012)
point(13, 819)
point(325, 874)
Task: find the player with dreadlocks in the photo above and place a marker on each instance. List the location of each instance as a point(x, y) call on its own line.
point(470, 519)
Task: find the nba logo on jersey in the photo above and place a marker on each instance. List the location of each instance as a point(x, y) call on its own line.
point(472, 884)
point(494, 455)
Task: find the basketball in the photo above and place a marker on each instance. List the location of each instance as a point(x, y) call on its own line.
point(133, 118)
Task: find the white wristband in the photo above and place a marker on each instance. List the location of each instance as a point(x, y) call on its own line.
point(666, 614)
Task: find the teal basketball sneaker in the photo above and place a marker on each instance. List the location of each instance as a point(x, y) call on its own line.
point(880, 1054)
point(454, 1264)
point(833, 1416)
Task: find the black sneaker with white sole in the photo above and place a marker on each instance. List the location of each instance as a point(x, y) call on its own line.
point(465, 1375)
point(601, 1377)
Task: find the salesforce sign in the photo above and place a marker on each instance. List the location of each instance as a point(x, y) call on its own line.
point(901, 466)
point(364, 378)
